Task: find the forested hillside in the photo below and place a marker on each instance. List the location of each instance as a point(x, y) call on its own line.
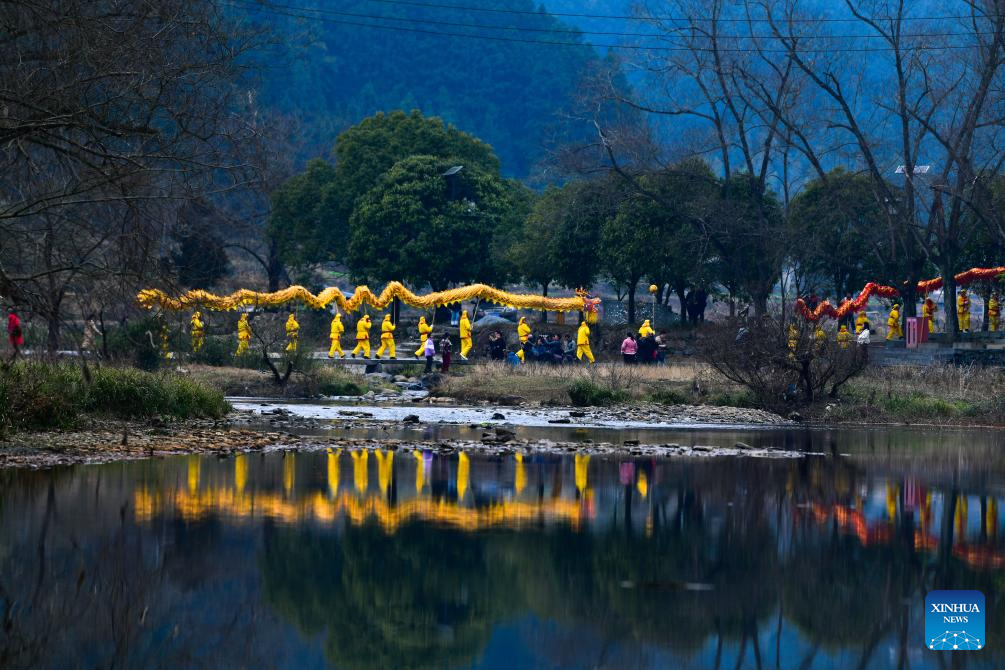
point(331, 71)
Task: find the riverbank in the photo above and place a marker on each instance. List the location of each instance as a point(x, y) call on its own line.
point(943, 395)
point(102, 441)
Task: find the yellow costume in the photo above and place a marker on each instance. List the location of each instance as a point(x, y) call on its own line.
point(928, 309)
point(243, 335)
point(893, 328)
point(793, 339)
point(860, 322)
point(994, 311)
point(645, 329)
point(386, 337)
point(166, 342)
point(198, 332)
point(523, 332)
point(335, 335)
point(583, 343)
point(963, 310)
point(465, 327)
point(292, 333)
point(424, 331)
point(820, 334)
point(844, 337)
point(362, 337)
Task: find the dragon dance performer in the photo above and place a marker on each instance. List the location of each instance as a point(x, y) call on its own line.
point(386, 338)
point(893, 328)
point(523, 332)
point(583, 343)
point(860, 322)
point(844, 337)
point(963, 310)
point(362, 336)
point(424, 332)
point(928, 309)
point(994, 311)
point(792, 339)
point(465, 332)
point(335, 335)
point(292, 334)
point(198, 331)
point(243, 335)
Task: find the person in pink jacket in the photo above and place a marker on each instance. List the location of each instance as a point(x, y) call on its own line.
point(629, 348)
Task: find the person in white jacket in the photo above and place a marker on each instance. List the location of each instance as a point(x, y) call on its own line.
point(429, 351)
point(864, 337)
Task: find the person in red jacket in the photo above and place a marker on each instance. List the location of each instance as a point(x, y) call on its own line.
point(14, 334)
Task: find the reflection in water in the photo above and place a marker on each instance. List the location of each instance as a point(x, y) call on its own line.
point(456, 560)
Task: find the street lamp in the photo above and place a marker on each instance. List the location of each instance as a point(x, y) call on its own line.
point(451, 177)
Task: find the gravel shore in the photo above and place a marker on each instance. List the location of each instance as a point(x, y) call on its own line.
point(105, 441)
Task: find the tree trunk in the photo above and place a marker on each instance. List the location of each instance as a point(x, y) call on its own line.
point(760, 304)
point(275, 270)
point(682, 296)
point(631, 299)
point(544, 292)
point(909, 294)
point(949, 303)
point(986, 297)
point(52, 337)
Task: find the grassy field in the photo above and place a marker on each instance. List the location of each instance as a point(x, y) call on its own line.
point(938, 395)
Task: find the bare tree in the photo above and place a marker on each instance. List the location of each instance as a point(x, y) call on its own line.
point(112, 113)
point(924, 104)
point(700, 97)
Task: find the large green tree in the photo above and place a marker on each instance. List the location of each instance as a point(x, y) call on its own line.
point(311, 210)
point(424, 227)
point(747, 237)
point(836, 227)
point(306, 223)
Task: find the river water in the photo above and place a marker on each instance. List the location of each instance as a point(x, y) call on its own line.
point(415, 559)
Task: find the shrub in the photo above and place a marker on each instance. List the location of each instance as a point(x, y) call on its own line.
point(585, 393)
point(136, 342)
point(217, 351)
point(781, 364)
point(336, 382)
point(36, 395)
point(669, 396)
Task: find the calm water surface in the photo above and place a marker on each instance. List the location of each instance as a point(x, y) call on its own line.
point(353, 559)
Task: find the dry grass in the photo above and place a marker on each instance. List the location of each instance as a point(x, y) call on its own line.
point(549, 384)
point(942, 394)
point(939, 395)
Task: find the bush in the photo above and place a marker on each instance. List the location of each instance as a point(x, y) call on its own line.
point(136, 342)
point(669, 396)
point(585, 393)
point(35, 395)
point(217, 351)
point(781, 364)
point(336, 382)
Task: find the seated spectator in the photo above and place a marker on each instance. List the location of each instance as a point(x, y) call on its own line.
point(568, 348)
point(555, 353)
point(541, 350)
